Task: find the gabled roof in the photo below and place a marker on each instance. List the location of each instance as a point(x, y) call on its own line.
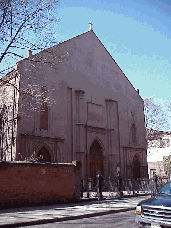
point(91, 31)
point(116, 64)
point(6, 78)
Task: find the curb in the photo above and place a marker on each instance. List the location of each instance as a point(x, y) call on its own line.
point(83, 200)
point(45, 221)
point(67, 218)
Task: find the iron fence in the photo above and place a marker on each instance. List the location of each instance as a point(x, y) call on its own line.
point(114, 187)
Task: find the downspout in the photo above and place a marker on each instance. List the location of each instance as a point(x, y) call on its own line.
point(108, 137)
point(87, 176)
point(71, 128)
point(56, 160)
point(79, 124)
point(119, 137)
point(24, 147)
point(12, 137)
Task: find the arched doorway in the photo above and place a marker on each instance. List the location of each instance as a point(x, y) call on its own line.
point(43, 155)
point(136, 168)
point(95, 159)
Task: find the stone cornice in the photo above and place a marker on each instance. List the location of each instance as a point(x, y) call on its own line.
point(29, 136)
point(131, 147)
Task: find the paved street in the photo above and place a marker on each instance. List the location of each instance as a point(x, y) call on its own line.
point(117, 220)
point(66, 212)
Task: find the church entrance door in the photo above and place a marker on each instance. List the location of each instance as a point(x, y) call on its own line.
point(136, 167)
point(95, 159)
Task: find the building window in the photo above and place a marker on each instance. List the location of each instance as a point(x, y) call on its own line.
point(44, 117)
point(133, 131)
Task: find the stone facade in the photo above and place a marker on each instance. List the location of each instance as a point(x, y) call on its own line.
point(89, 112)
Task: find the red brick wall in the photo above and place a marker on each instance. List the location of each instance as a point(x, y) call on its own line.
point(35, 183)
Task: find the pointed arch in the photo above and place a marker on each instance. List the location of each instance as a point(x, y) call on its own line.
point(96, 158)
point(99, 141)
point(45, 151)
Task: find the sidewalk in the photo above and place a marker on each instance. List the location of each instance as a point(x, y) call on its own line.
point(109, 195)
point(61, 212)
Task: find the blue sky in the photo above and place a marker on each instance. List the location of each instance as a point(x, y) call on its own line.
point(137, 33)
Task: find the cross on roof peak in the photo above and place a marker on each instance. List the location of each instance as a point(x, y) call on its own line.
point(90, 23)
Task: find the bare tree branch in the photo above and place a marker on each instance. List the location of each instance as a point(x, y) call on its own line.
point(157, 120)
point(19, 29)
point(4, 11)
point(21, 19)
point(14, 54)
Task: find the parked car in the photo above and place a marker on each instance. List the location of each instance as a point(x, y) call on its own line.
point(155, 212)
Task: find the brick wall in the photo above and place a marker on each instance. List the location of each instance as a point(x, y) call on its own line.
point(24, 183)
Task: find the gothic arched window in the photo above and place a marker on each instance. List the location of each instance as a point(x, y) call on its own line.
point(133, 131)
point(44, 117)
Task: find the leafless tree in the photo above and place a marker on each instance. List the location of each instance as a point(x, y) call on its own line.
point(157, 122)
point(30, 97)
point(25, 25)
point(154, 115)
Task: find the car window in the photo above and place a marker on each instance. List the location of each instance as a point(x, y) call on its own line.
point(166, 189)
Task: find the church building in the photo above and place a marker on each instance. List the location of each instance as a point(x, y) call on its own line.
point(73, 102)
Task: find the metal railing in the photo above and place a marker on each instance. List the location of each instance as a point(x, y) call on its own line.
point(115, 187)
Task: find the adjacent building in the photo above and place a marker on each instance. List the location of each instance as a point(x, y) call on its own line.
point(159, 150)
